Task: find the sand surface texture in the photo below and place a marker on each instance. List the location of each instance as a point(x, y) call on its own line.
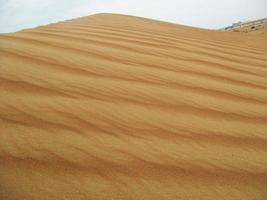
point(113, 107)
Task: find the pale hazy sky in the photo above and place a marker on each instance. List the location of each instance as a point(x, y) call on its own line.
point(20, 14)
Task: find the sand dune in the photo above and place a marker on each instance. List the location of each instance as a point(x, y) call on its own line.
point(259, 30)
point(119, 107)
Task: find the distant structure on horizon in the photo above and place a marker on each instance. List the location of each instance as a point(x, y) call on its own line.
point(252, 24)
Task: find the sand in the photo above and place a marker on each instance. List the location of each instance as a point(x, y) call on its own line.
point(119, 107)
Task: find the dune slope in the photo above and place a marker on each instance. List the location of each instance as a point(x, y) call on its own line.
point(118, 107)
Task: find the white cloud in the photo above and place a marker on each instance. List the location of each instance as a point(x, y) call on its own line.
point(18, 14)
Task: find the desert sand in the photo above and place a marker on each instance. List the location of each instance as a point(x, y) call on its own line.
point(125, 108)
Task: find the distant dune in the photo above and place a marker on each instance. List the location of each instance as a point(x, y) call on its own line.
point(258, 27)
point(114, 107)
point(261, 30)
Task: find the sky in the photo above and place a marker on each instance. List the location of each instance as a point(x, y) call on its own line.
point(20, 14)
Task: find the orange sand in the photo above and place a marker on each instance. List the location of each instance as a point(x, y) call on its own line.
point(117, 107)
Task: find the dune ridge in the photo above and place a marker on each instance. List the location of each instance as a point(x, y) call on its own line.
point(120, 107)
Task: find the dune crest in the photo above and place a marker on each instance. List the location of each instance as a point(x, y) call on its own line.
point(119, 107)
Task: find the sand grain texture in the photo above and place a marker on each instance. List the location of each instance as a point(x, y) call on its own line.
point(119, 107)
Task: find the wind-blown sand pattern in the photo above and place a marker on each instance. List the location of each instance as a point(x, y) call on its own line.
point(119, 107)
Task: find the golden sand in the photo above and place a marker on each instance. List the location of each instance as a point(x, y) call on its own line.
point(113, 107)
